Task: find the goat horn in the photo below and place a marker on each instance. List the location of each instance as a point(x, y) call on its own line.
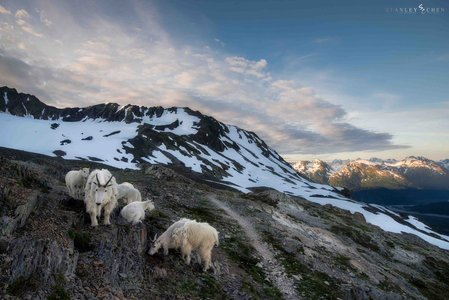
point(108, 181)
point(98, 181)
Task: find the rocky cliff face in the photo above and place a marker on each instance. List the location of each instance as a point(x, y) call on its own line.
point(271, 245)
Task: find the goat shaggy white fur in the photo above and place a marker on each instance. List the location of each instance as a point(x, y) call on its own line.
point(76, 181)
point(166, 240)
point(128, 193)
point(100, 194)
point(135, 211)
point(192, 236)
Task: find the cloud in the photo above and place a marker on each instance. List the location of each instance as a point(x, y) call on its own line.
point(22, 14)
point(18, 74)
point(22, 20)
point(4, 11)
point(247, 67)
point(323, 40)
point(82, 59)
point(43, 18)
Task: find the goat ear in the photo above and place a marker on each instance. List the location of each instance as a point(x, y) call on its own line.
point(155, 237)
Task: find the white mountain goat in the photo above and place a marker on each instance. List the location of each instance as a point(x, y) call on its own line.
point(166, 240)
point(128, 193)
point(198, 237)
point(135, 211)
point(100, 193)
point(75, 182)
point(193, 236)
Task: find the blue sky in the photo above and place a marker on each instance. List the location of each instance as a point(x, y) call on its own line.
point(316, 79)
point(357, 39)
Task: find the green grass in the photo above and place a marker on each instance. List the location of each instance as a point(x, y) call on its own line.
point(58, 291)
point(343, 261)
point(313, 284)
point(210, 288)
point(242, 254)
point(356, 235)
point(158, 214)
point(203, 286)
point(389, 286)
point(202, 214)
point(430, 288)
point(318, 285)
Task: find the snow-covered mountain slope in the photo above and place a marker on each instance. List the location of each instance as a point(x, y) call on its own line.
point(131, 136)
point(414, 172)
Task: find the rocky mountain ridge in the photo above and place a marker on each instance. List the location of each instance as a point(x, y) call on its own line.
point(411, 172)
point(135, 135)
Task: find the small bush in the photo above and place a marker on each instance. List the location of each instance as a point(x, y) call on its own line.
point(356, 235)
point(343, 261)
point(81, 240)
point(59, 293)
point(22, 285)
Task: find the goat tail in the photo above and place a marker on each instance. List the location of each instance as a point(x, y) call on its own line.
point(217, 243)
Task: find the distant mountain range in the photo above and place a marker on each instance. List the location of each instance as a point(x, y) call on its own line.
point(411, 172)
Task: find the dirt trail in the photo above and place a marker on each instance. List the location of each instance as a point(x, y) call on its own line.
point(275, 271)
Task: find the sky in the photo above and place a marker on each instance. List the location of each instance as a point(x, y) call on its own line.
point(314, 79)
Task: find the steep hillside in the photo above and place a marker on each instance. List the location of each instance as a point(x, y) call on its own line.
point(272, 246)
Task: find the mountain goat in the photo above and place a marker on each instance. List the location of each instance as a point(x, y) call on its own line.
point(128, 192)
point(166, 240)
point(134, 212)
point(190, 236)
point(75, 182)
point(100, 193)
